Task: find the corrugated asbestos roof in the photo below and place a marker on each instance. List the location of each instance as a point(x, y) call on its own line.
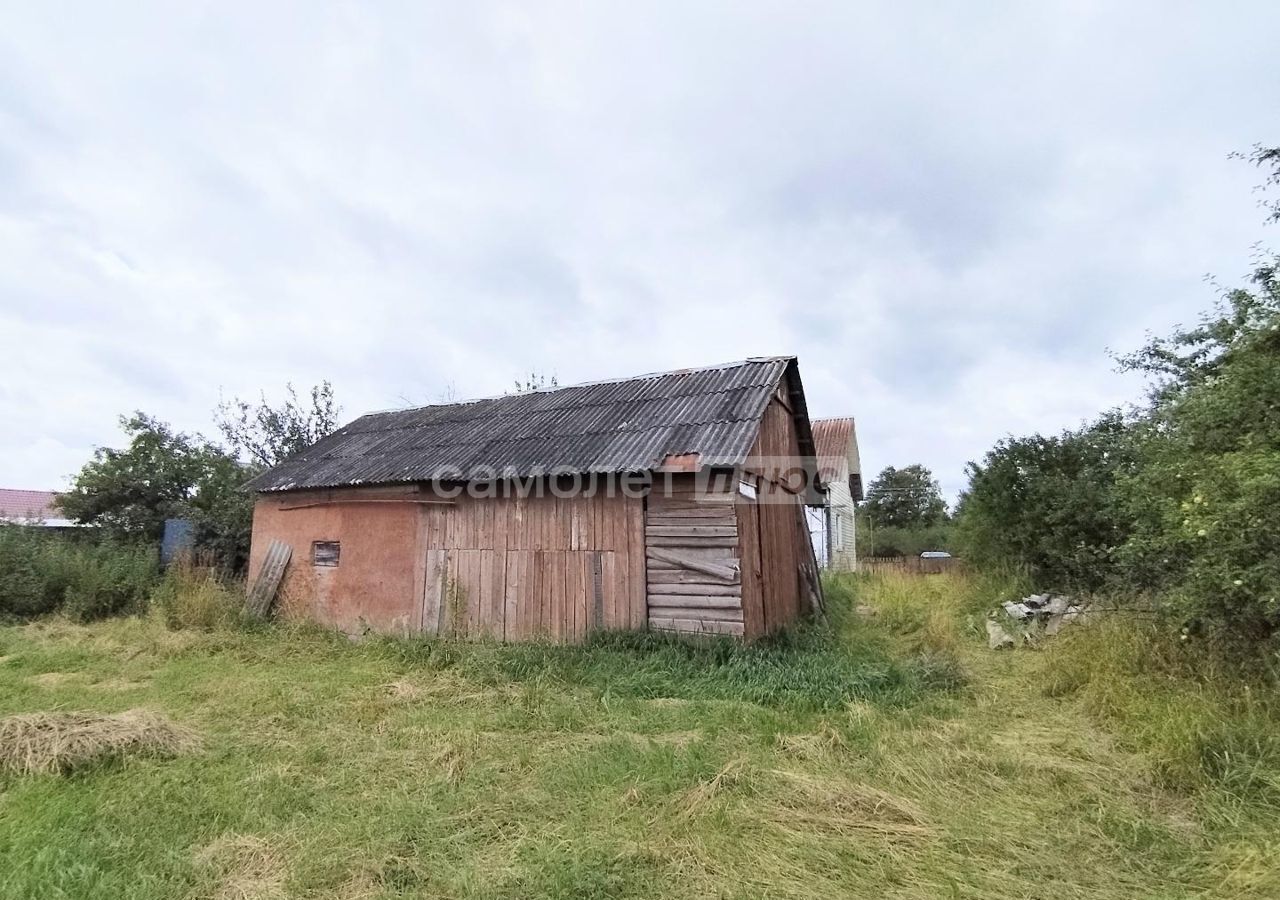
point(629, 425)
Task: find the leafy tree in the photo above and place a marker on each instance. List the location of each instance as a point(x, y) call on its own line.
point(263, 435)
point(1050, 504)
point(130, 492)
point(905, 498)
point(1206, 500)
point(164, 474)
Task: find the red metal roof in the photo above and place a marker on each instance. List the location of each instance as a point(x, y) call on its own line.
point(836, 442)
point(16, 504)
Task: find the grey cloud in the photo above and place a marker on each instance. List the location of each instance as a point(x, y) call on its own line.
point(946, 212)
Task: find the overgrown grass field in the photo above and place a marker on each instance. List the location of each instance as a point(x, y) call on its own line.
point(889, 754)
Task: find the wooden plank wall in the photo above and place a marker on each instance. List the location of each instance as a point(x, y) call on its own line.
point(773, 596)
point(514, 568)
point(693, 571)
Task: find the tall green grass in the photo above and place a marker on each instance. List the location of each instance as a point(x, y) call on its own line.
point(1201, 719)
point(191, 596)
point(822, 665)
point(831, 761)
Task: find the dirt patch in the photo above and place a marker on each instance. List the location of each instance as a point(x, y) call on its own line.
point(246, 868)
point(59, 742)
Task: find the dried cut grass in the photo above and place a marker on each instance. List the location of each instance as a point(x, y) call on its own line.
point(247, 868)
point(839, 806)
point(826, 742)
point(697, 797)
point(55, 679)
point(60, 742)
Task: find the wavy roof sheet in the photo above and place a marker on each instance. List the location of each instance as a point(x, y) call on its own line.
point(628, 425)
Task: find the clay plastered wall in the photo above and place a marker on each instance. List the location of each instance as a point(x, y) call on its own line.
point(379, 570)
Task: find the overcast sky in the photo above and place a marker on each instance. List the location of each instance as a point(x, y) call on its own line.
point(948, 212)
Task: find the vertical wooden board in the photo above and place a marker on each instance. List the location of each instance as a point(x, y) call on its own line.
point(586, 602)
point(636, 565)
point(612, 603)
point(549, 523)
point(484, 524)
point(749, 556)
point(500, 515)
point(577, 586)
point(510, 590)
point(547, 603)
point(537, 539)
point(518, 596)
point(564, 509)
point(572, 583)
point(609, 591)
point(472, 591)
point(566, 600)
point(535, 612)
point(617, 581)
point(458, 524)
point(497, 593)
point(462, 540)
point(597, 537)
point(455, 613)
point(558, 560)
point(515, 523)
point(595, 590)
point(477, 623)
point(448, 594)
point(583, 616)
point(475, 524)
point(433, 589)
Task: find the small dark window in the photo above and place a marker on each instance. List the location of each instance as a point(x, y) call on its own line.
point(325, 553)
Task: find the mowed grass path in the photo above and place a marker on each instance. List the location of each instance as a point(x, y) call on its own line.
point(895, 757)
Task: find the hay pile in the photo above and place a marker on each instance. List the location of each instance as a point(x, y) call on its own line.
point(59, 742)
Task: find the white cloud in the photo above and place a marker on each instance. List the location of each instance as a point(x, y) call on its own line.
point(948, 214)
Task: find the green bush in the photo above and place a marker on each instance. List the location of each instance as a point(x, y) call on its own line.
point(108, 580)
point(21, 587)
point(42, 573)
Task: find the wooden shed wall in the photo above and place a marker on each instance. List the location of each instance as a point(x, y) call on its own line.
point(507, 567)
point(773, 538)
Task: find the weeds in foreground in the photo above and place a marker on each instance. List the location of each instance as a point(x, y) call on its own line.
point(197, 597)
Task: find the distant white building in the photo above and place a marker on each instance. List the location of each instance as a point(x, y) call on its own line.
point(32, 508)
point(833, 527)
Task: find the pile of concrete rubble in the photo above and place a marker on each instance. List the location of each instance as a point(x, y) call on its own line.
point(1028, 620)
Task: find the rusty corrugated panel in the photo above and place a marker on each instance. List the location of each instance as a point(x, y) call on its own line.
point(615, 426)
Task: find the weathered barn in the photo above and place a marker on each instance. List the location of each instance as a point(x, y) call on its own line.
point(840, 471)
point(671, 501)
